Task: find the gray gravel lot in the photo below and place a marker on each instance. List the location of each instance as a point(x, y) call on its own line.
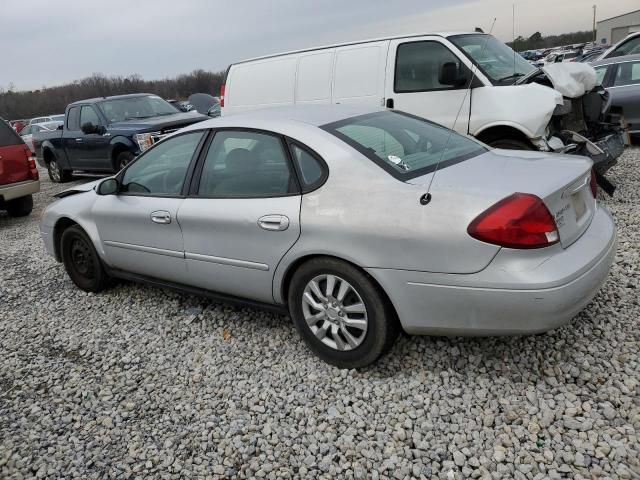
point(139, 382)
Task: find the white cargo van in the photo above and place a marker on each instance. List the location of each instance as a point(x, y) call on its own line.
point(494, 93)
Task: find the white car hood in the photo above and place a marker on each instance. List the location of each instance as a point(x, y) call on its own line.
point(571, 79)
point(84, 187)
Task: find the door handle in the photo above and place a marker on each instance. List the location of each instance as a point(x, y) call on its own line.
point(274, 222)
point(78, 140)
point(161, 216)
point(389, 103)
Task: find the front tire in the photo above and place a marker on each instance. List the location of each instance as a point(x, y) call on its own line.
point(56, 173)
point(81, 260)
point(340, 313)
point(20, 207)
point(122, 160)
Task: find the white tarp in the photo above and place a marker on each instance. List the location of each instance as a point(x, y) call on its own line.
point(571, 79)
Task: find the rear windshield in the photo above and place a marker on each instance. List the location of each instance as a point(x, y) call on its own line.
point(8, 136)
point(404, 145)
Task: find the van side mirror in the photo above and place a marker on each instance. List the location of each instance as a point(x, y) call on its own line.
point(450, 75)
point(109, 186)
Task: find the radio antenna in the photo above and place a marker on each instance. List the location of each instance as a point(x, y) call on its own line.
point(426, 198)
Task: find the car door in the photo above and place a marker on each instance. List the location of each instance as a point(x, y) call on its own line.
point(138, 227)
point(413, 86)
point(242, 214)
point(624, 89)
point(72, 137)
point(94, 150)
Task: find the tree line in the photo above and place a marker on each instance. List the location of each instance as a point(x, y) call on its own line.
point(539, 42)
point(35, 103)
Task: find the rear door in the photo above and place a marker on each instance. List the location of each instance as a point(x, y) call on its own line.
point(243, 214)
point(139, 227)
point(413, 84)
point(72, 138)
point(13, 157)
point(359, 72)
point(625, 92)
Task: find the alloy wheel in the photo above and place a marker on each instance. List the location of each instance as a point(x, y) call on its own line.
point(54, 172)
point(335, 312)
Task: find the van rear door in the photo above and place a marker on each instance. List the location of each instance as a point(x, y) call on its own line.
point(359, 73)
point(413, 85)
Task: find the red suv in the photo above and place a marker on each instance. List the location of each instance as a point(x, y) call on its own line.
point(19, 177)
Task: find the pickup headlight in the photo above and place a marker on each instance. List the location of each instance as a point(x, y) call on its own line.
point(145, 140)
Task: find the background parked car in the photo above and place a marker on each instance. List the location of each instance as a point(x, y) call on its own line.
point(18, 125)
point(630, 45)
point(104, 134)
point(621, 77)
point(19, 177)
point(28, 131)
point(42, 120)
point(563, 56)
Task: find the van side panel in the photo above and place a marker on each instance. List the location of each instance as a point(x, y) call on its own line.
point(267, 83)
point(359, 73)
point(315, 72)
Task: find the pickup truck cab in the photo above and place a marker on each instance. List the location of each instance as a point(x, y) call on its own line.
point(104, 134)
point(19, 178)
point(470, 82)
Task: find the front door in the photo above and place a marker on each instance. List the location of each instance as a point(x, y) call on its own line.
point(138, 227)
point(94, 151)
point(243, 215)
point(413, 82)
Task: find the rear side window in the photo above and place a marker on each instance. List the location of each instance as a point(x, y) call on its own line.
point(8, 136)
point(73, 122)
point(404, 145)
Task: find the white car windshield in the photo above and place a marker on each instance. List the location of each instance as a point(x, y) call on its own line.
point(495, 59)
point(404, 145)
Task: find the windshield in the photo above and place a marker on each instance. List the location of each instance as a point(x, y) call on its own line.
point(496, 60)
point(404, 145)
point(130, 108)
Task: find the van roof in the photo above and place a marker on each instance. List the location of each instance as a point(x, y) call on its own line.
point(371, 40)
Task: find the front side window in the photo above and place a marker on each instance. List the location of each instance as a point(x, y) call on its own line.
point(88, 115)
point(163, 169)
point(418, 66)
point(628, 74)
point(135, 108)
point(600, 74)
point(404, 145)
point(246, 164)
point(495, 59)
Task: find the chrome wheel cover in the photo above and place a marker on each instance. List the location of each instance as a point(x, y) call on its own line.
point(335, 312)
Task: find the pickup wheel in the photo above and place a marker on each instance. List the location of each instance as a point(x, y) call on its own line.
point(20, 207)
point(122, 159)
point(56, 173)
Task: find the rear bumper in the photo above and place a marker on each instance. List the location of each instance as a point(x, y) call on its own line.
point(519, 292)
point(20, 189)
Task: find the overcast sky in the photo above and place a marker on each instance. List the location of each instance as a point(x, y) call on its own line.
point(47, 43)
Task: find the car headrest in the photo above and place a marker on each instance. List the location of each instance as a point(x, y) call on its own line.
point(241, 160)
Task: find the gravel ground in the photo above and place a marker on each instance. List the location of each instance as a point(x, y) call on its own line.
point(140, 382)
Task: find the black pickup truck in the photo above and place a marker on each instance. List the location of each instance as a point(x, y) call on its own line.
point(104, 134)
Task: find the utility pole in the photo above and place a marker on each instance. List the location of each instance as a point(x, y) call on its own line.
point(594, 24)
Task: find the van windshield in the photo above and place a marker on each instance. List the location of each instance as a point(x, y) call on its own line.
point(404, 145)
point(495, 59)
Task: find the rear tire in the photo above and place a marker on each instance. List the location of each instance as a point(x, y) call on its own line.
point(122, 160)
point(20, 207)
point(56, 173)
point(81, 261)
point(348, 330)
point(510, 144)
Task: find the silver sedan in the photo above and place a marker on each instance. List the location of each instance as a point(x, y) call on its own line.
point(359, 222)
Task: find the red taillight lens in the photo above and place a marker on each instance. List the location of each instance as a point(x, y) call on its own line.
point(31, 164)
point(519, 221)
point(221, 95)
point(593, 183)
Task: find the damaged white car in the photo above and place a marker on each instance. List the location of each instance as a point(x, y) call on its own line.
point(470, 82)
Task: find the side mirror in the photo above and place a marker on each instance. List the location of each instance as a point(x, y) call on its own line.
point(450, 75)
point(109, 186)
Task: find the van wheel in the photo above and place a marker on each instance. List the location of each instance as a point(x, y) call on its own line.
point(123, 159)
point(56, 173)
point(81, 261)
point(510, 144)
point(20, 207)
point(340, 313)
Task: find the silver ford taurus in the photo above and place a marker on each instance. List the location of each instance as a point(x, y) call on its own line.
point(360, 222)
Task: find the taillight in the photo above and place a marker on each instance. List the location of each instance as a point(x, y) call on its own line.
point(519, 221)
point(593, 183)
point(31, 164)
point(222, 95)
